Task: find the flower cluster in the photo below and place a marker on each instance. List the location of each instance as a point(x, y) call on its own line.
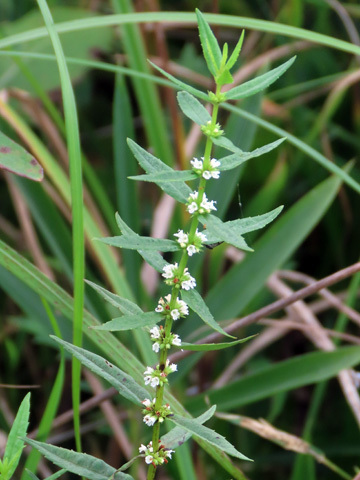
point(153, 415)
point(158, 376)
point(212, 130)
point(210, 172)
point(179, 309)
point(174, 277)
point(155, 458)
point(206, 206)
point(161, 340)
point(195, 245)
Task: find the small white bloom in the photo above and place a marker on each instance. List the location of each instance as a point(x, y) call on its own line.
point(142, 449)
point(215, 174)
point(192, 207)
point(196, 163)
point(147, 403)
point(156, 347)
point(155, 332)
point(169, 452)
point(169, 270)
point(201, 236)
point(191, 249)
point(183, 307)
point(171, 366)
point(154, 382)
point(176, 341)
point(149, 459)
point(188, 284)
point(215, 163)
point(194, 195)
point(159, 309)
point(175, 314)
point(149, 420)
point(149, 371)
point(182, 238)
point(206, 174)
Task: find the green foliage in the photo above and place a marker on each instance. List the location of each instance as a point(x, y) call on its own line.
point(15, 441)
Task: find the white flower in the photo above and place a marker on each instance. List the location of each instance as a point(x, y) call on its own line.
point(201, 236)
point(159, 309)
point(169, 452)
point(194, 195)
point(206, 206)
point(147, 403)
point(182, 238)
point(192, 207)
point(156, 347)
point(176, 340)
point(214, 163)
point(206, 174)
point(169, 270)
point(149, 459)
point(183, 307)
point(196, 163)
point(155, 332)
point(172, 367)
point(175, 314)
point(142, 449)
point(149, 371)
point(191, 249)
point(189, 284)
point(149, 420)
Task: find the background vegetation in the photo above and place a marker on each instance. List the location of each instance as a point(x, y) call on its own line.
point(316, 104)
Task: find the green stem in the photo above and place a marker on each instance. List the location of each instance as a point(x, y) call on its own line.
point(175, 290)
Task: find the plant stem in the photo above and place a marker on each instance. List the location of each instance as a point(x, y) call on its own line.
point(175, 289)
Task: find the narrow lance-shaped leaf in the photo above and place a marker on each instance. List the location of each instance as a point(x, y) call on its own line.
point(182, 85)
point(179, 191)
point(259, 83)
point(218, 231)
point(193, 109)
point(87, 466)
point(124, 383)
point(210, 436)
point(236, 52)
point(177, 436)
point(136, 242)
point(210, 46)
point(15, 442)
point(16, 159)
point(227, 144)
point(174, 176)
point(127, 307)
point(130, 322)
point(233, 161)
point(209, 347)
point(197, 304)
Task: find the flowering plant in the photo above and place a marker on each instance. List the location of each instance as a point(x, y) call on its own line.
point(183, 296)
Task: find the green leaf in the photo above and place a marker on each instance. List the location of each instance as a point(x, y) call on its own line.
point(193, 109)
point(217, 230)
point(181, 85)
point(227, 144)
point(210, 46)
point(196, 303)
point(151, 164)
point(16, 159)
point(54, 476)
point(271, 251)
point(280, 377)
point(233, 161)
point(210, 436)
point(136, 242)
point(174, 176)
point(81, 464)
point(177, 436)
point(15, 443)
point(129, 322)
point(124, 383)
point(154, 259)
point(208, 347)
point(236, 52)
point(224, 78)
point(127, 307)
point(259, 83)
